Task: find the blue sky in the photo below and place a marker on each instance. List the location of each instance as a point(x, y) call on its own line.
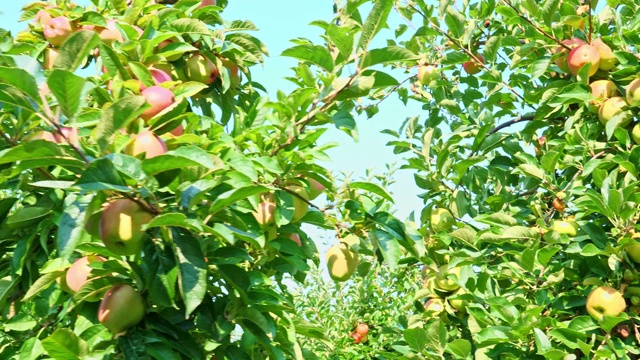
point(282, 20)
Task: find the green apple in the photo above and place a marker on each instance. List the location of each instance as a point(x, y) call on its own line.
point(611, 108)
point(605, 301)
point(569, 228)
point(427, 74)
point(121, 226)
point(341, 262)
point(447, 278)
point(201, 69)
point(635, 134)
point(607, 60)
point(300, 207)
point(121, 308)
point(458, 304)
point(603, 90)
point(441, 220)
point(581, 56)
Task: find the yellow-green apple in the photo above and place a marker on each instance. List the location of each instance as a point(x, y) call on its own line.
point(434, 305)
point(633, 251)
point(607, 59)
point(265, 211)
point(472, 67)
point(315, 188)
point(110, 34)
point(79, 273)
point(50, 56)
point(581, 56)
point(427, 74)
point(121, 308)
point(458, 304)
point(341, 262)
point(159, 98)
point(635, 134)
point(603, 90)
point(58, 29)
point(441, 220)
point(201, 69)
point(300, 207)
point(612, 107)
point(633, 93)
point(567, 227)
point(41, 135)
point(206, 3)
point(68, 135)
point(561, 61)
point(121, 226)
point(605, 301)
point(447, 278)
point(296, 238)
point(146, 143)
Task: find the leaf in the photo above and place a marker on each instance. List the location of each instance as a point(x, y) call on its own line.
point(71, 223)
point(117, 116)
point(232, 196)
point(63, 344)
point(542, 341)
point(375, 22)
point(314, 54)
point(182, 157)
point(416, 338)
point(13, 96)
point(41, 284)
point(386, 55)
point(75, 49)
point(20, 79)
point(372, 188)
point(67, 88)
point(388, 245)
point(189, 26)
point(193, 270)
point(102, 175)
point(459, 348)
point(531, 170)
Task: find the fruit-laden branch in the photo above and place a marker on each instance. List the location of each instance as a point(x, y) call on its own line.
point(470, 54)
point(534, 25)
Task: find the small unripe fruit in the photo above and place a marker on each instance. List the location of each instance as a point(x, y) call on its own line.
point(633, 93)
point(427, 74)
point(159, 98)
point(570, 228)
point(559, 205)
point(635, 134)
point(441, 220)
point(121, 308)
point(300, 207)
point(581, 56)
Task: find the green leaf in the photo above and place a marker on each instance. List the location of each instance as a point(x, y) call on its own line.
point(193, 270)
point(232, 196)
point(102, 175)
point(314, 54)
point(68, 90)
point(542, 341)
point(372, 188)
point(375, 22)
point(14, 96)
point(116, 116)
point(189, 26)
point(75, 49)
point(459, 348)
point(41, 284)
point(182, 157)
point(388, 245)
point(63, 344)
point(416, 338)
point(390, 54)
point(71, 223)
point(20, 79)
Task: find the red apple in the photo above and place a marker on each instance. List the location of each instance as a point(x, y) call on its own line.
point(561, 61)
point(58, 29)
point(201, 69)
point(146, 143)
point(159, 76)
point(110, 34)
point(178, 131)
point(42, 18)
point(159, 98)
point(79, 273)
point(206, 3)
point(296, 238)
point(581, 56)
point(121, 308)
point(472, 67)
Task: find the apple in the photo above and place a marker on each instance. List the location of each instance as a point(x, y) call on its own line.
point(265, 211)
point(635, 134)
point(434, 305)
point(159, 76)
point(341, 262)
point(472, 67)
point(50, 56)
point(121, 308)
point(605, 301)
point(633, 251)
point(607, 59)
point(110, 34)
point(300, 207)
point(561, 61)
point(567, 227)
point(296, 238)
point(315, 188)
point(357, 338)
point(428, 73)
point(441, 220)
point(41, 135)
point(58, 29)
point(232, 67)
point(68, 135)
point(121, 226)
point(633, 93)
point(159, 98)
point(146, 143)
point(603, 90)
point(42, 18)
point(458, 304)
point(206, 3)
point(201, 69)
point(178, 131)
point(611, 108)
point(362, 329)
point(444, 281)
point(581, 56)
point(78, 274)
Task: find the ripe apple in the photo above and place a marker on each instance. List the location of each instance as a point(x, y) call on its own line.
point(428, 73)
point(341, 262)
point(121, 308)
point(201, 69)
point(357, 338)
point(296, 238)
point(68, 135)
point(441, 220)
point(607, 60)
point(42, 18)
point(58, 29)
point(159, 98)
point(146, 143)
point(561, 61)
point(635, 134)
point(50, 55)
point(41, 135)
point(78, 274)
point(558, 204)
point(633, 93)
point(315, 188)
point(472, 67)
point(206, 3)
point(121, 226)
point(581, 56)
point(362, 329)
point(603, 90)
point(444, 281)
point(567, 227)
point(435, 305)
point(300, 207)
point(178, 131)
point(611, 108)
point(265, 211)
point(159, 76)
point(110, 34)
point(605, 301)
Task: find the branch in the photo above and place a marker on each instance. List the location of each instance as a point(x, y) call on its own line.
point(393, 89)
point(511, 122)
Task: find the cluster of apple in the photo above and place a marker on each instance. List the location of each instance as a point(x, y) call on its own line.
point(361, 333)
point(444, 284)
